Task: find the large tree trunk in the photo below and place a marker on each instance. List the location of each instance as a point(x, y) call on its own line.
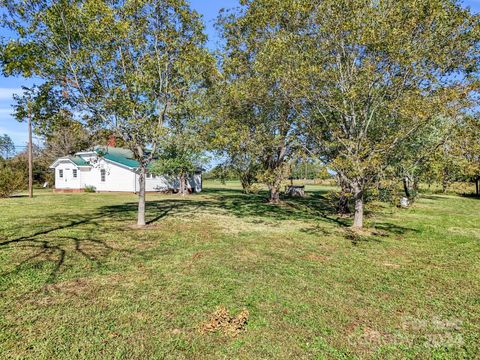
point(141, 197)
point(444, 185)
point(406, 186)
point(358, 218)
point(477, 186)
point(274, 194)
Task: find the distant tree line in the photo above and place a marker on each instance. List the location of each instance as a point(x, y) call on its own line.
point(377, 92)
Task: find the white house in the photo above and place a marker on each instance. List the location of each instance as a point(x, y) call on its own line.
point(111, 169)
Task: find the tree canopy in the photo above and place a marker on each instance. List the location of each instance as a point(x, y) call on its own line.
point(371, 90)
point(7, 148)
point(126, 65)
point(376, 73)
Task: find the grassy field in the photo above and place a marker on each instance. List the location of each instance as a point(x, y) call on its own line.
point(79, 282)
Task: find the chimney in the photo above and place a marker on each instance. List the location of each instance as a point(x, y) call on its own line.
point(111, 141)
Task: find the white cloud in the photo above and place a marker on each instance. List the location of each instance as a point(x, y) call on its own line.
point(6, 112)
point(7, 93)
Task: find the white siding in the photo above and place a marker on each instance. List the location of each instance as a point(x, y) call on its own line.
point(165, 183)
point(196, 182)
point(67, 181)
point(159, 183)
point(85, 177)
point(117, 177)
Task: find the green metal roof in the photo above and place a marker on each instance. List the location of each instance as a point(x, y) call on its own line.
point(118, 155)
point(77, 160)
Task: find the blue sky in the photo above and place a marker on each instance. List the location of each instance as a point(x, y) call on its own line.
point(8, 86)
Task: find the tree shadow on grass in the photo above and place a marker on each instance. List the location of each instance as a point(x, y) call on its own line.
point(233, 202)
point(471, 196)
point(437, 197)
point(389, 228)
point(77, 235)
point(53, 245)
point(315, 207)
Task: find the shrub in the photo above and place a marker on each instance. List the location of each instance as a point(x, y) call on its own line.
point(11, 180)
point(90, 189)
point(340, 201)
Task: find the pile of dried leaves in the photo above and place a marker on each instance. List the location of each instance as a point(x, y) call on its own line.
point(221, 320)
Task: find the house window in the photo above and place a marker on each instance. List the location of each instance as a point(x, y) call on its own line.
point(75, 174)
point(60, 173)
point(102, 175)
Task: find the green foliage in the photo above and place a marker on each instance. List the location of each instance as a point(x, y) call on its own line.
point(7, 148)
point(457, 157)
point(220, 172)
point(256, 102)
point(309, 169)
point(48, 107)
point(370, 85)
point(11, 179)
point(369, 88)
point(68, 139)
point(131, 68)
point(41, 171)
point(126, 66)
point(181, 152)
point(90, 189)
point(466, 146)
point(172, 162)
point(414, 161)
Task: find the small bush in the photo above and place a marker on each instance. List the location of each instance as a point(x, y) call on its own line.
point(341, 202)
point(253, 189)
point(90, 189)
point(11, 180)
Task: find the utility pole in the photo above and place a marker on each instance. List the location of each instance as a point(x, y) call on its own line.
point(30, 154)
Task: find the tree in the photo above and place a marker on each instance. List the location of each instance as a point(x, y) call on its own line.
point(258, 107)
point(7, 148)
point(181, 151)
point(178, 162)
point(246, 167)
point(122, 64)
point(469, 147)
point(67, 140)
point(47, 106)
point(376, 72)
point(309, 168)
point(236, 145)
point(415, 158)
point(40, 167)
point(11, 179)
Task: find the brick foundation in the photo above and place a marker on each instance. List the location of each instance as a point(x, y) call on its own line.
point(68, 191)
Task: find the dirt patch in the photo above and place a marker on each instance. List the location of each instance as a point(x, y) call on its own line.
point(315, 257)
point(80, 287)
point(72, 287)
point(221, 320)
point(197, 256)
point(366, 339)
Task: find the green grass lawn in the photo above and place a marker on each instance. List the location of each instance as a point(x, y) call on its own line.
point(79, 282)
